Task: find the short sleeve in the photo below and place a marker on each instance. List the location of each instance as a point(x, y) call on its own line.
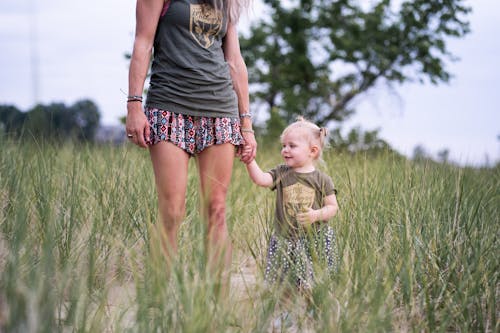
point(327, 185)
point(276, 173)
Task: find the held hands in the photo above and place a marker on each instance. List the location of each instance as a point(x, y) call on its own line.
point(136, 126)
point(248, 150)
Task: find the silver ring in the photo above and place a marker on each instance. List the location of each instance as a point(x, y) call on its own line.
point(130, 136)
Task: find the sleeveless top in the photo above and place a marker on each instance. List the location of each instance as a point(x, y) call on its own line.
point(189, 74)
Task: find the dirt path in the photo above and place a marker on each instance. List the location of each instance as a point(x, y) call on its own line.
point(244, 278)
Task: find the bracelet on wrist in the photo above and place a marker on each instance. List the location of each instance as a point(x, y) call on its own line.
point(246, 115)
point(134, 98)
point(247, 130)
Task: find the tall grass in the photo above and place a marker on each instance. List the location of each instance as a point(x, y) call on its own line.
point(418, 246)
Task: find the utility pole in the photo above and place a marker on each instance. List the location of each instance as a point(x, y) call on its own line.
point(34, 57)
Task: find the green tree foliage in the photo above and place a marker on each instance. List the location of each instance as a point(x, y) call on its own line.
point(54, 121)
point(314, 57)
point(11, 120)
point(357, 140)
point(275, 126)
point(86, 117)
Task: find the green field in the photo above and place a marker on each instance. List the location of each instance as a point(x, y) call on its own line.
point(418, 245)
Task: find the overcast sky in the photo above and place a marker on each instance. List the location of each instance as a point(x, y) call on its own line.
point(64, 51)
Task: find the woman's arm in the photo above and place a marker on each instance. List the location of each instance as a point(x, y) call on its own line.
point(326, 212)
point(239, 76)
point(258, 176)
point(147, 17)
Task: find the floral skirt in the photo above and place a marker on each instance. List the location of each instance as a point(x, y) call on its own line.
point(191, 133)
point(298, 260)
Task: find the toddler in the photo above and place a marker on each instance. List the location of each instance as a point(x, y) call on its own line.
point(306, 200)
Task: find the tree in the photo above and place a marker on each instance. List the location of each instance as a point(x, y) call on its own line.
point(420, 154)
point(38, 123)
point(443, 155)
point(11, 120)
point(86, 116)
point(316, 56)
point(275, 126)
point(358, 140)
point(54, 121)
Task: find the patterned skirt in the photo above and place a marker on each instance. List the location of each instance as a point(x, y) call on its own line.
point(298, 260)
point(191, 133)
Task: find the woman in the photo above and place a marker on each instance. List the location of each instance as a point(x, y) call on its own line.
point(197, 106)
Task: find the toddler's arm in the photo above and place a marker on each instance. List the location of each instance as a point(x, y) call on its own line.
point(258, 176)
point(326, 212)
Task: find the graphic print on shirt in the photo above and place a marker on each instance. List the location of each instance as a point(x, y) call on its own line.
point(297, 198)
point(205, 23)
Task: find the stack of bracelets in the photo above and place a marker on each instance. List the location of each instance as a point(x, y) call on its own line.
point(134, 98)
point(249, 116)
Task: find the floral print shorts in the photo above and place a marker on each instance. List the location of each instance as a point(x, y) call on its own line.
point(296, 259)
point(190, 133)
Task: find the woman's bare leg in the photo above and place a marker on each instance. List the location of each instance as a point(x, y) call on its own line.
point(170, 165)
point(215, 165)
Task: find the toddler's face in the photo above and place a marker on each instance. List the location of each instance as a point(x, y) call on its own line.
point(296, 150)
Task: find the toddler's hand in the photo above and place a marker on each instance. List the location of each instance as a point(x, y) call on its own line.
point(245, 153)
point(248, 150)
point(307, 218)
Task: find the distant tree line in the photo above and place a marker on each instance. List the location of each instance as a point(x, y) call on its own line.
point(54, 122)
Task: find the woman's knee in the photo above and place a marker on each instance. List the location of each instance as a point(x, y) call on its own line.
point(216, 211)
point(172, 215)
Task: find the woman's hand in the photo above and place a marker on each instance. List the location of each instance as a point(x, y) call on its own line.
point(248, 151)
point(136, 126)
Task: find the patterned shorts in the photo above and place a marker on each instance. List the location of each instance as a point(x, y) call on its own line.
point(191, 133)
point(296, 260)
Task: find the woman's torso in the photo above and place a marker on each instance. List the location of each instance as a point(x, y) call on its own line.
point(189, 74)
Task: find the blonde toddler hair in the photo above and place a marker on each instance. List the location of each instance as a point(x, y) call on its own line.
point(314, 134)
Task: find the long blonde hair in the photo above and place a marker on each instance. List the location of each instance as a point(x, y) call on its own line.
point(315, 135)
point(233, 7)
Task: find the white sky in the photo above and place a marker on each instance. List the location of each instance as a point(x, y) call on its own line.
point(80, 47)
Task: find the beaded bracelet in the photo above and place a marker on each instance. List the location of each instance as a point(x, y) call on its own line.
point(247, 130)
point(246, 115)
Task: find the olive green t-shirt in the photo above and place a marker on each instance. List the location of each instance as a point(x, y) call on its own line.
point(296, 192)
point(189, 74)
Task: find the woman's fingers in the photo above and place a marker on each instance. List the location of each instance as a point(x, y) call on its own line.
point(138, 130)
point(249, 148)
point(247, 154)
point(141, 142)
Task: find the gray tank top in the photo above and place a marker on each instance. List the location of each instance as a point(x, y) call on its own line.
point(189, 74)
